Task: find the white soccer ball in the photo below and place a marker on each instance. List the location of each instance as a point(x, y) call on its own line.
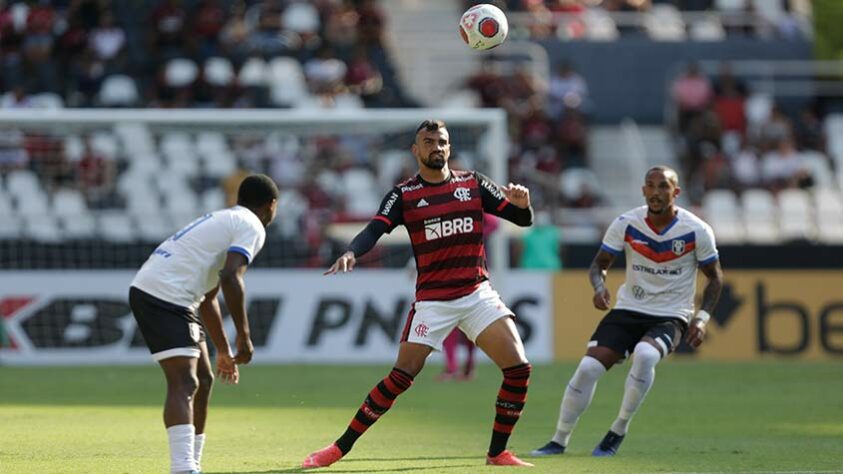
point(483, 26)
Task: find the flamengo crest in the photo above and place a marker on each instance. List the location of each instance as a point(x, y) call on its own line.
point(463, 194)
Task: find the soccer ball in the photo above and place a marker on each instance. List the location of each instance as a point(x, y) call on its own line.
point(483, 26)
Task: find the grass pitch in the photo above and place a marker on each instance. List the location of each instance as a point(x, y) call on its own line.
point(699, 417)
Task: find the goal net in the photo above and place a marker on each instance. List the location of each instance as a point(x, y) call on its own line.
point(86, 195)
point(101, 188)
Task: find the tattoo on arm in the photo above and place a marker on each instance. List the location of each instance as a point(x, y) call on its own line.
point(711, 293)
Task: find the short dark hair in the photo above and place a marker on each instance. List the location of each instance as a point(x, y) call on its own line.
point(669, 172)
point(256, 191)
point(430, 125)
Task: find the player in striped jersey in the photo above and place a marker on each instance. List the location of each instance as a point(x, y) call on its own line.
point(664, 245)
point(443, 210)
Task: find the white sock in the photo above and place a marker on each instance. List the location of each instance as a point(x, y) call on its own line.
point(577, 397)
point(198, 444)
point(181, 448)
point(638, 383)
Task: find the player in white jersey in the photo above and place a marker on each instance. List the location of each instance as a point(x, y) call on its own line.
point(182, 276)
point(664, 245)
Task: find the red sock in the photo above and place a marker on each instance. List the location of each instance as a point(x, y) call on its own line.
point(378, 402)
point(510, 403)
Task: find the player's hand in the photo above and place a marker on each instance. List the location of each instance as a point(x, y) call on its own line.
point(245, 350)
point(696, 333)
point(227, 369)
point(343, 264)
point(602, 298)
point(518, 195)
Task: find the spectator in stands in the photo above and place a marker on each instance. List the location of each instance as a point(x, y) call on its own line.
point(809, 131)
point(96, 175)
point(341, 27)
point(730, 101)
point(572, 134)
point(13, 154)
point(746, 168)
point(692, 93)
point(168, 30)
point(566, 87)
point(16, 98)
point(108, 41)
point(48, 160)
point(234, 35)
point(540, 22)
point(783, 168)
point(488, 83)
point(268, 39)
point(86, 75)
point(363, 77)
point(371, 23)
point(777, 129)
point(38, 66)
point(325, 73)
point(207, 21)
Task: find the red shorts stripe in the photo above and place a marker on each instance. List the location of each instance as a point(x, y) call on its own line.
point(405, 334)
point(503, 204)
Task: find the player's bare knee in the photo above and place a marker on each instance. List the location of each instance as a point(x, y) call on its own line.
point(184, 384)
point(206, 381)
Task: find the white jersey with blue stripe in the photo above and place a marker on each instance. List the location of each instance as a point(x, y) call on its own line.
point(661, 267)
point(186, 266)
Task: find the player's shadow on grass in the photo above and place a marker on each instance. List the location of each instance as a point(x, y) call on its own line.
point(394, 469)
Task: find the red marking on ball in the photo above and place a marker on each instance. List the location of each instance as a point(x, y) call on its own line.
point(463, 35)
point(488, 27)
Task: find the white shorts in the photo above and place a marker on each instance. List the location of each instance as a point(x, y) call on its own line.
point(430, 322)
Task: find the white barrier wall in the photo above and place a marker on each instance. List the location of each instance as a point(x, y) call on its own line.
point(83, 317)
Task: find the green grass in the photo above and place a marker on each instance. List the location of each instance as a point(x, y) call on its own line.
point(699, 417)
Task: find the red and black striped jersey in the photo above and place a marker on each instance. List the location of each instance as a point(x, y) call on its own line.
point(445, 224)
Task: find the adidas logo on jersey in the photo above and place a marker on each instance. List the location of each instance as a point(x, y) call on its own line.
point(422, 203)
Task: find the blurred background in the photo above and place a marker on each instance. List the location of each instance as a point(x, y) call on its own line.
point(120, 121)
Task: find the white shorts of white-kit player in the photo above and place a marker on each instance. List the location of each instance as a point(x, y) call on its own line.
point(434, 320)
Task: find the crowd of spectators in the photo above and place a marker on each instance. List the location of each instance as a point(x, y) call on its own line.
point(659, 19)
point(734, 138)
point(174, 53)
point(548, 128)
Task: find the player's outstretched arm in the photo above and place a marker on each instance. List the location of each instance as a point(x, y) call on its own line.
point(597, 276)
point(231, 282)
point(388, 217)
point(343, 264)
point(209, 311)
point(711, 295)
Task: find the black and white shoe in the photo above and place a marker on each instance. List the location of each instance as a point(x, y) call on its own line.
point(609, 446)
point(550, 449)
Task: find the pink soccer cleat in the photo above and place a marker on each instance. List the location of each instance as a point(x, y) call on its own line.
point(323, 458)
point(506, 458)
